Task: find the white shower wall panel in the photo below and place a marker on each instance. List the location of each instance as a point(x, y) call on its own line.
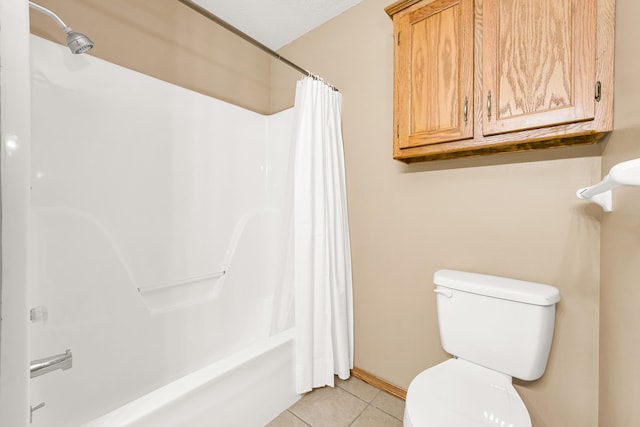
point(142, 192)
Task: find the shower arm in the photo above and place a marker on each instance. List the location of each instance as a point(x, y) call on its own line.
point(55, 17)
point(77, 42)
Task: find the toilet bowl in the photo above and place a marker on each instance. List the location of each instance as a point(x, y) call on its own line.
point(457, 393)
point(496, 328)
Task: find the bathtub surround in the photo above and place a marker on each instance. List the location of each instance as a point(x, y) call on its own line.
point(137, 206)
point(323, 294)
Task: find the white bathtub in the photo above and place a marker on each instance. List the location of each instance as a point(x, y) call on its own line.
point(247, 389)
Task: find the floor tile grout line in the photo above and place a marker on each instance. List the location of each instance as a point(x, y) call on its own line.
point(380, 408)
point(374, 407)
point(355, 395)
point(369, 403)
point(359, 415)
point(388, 413)
point(303, 421)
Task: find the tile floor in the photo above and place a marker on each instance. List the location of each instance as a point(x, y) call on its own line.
point(350, 403)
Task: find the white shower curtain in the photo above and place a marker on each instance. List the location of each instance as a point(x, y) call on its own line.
point(322, 258)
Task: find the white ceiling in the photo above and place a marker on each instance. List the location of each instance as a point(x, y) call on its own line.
point(276, 23)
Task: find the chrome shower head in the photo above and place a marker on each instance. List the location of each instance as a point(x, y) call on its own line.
point(77, 42)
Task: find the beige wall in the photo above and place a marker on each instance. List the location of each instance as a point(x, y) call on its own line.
point(620, 283)
point(511, 215)
point(169, 41)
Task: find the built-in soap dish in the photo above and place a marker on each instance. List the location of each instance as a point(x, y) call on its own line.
point(172, 296)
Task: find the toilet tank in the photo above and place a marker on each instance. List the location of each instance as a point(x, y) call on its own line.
point(499, 323)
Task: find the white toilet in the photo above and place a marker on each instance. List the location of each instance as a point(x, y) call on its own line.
point(495, 328)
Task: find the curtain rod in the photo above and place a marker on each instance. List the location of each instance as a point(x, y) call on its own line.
point(207, 14)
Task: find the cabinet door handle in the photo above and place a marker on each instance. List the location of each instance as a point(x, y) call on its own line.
point(489, 106)
point(464, 109)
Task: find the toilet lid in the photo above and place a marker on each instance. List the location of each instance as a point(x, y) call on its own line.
point(462, 394)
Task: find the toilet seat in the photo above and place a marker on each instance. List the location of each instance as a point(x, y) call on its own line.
point(462, 394)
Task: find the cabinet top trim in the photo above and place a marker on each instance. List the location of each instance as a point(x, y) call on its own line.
point(396, 7)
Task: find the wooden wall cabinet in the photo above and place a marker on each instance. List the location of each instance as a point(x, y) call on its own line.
point(434, 74)
point(490, 76)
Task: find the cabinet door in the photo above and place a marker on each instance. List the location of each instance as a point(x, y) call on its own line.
point(434, 74)
point(538, 63)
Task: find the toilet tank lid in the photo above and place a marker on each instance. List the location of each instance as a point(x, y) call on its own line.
point(498, 287)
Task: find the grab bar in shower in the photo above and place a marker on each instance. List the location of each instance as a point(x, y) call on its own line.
point(625, 173)
point(52, 363)
point(147, 289)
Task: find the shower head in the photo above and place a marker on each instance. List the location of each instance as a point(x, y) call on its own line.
point(77, 42)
